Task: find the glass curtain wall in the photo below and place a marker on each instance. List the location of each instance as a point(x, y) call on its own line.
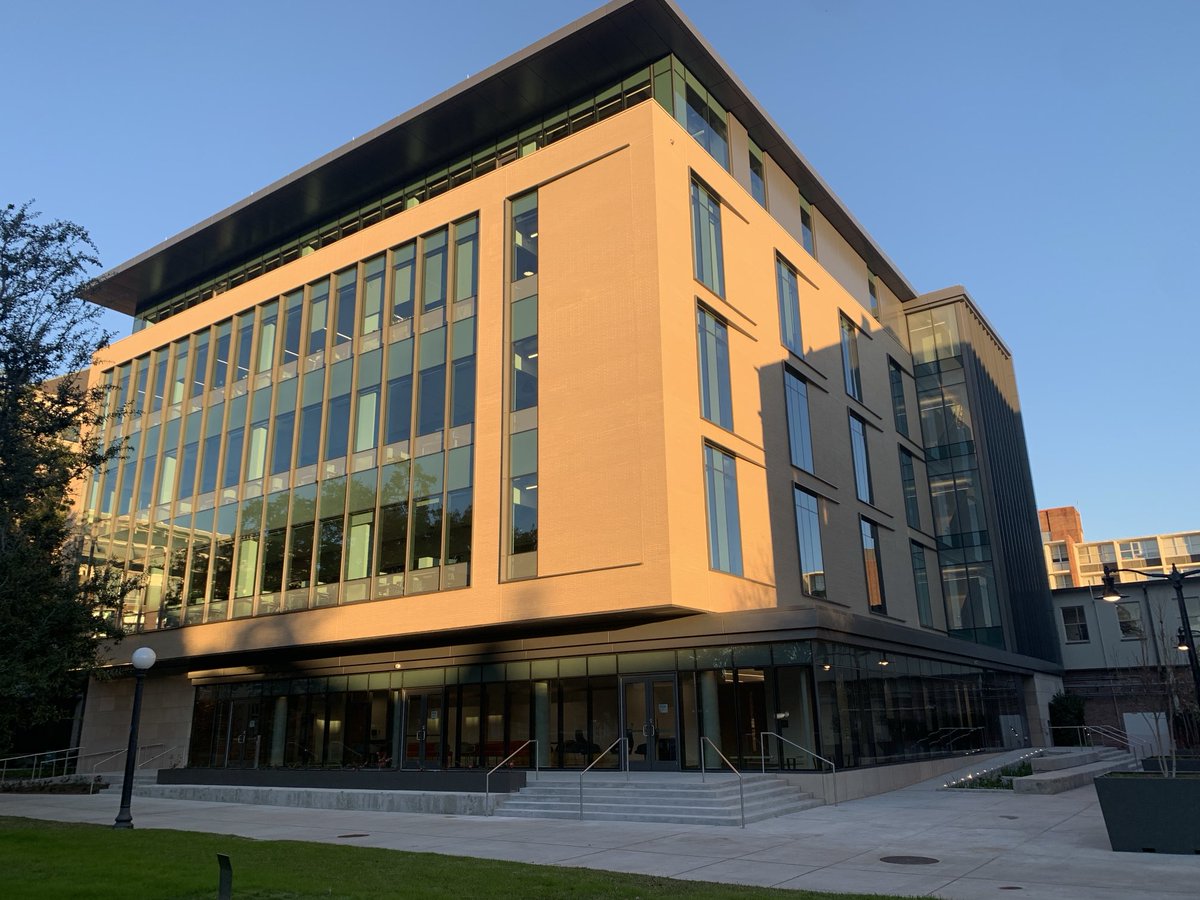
point(959, 516)
point(316, 449)
point(758, 703)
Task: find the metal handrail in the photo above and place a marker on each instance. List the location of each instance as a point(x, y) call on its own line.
point(600, 756)
point(1085, 732)
point(157, 755)
point(487, 779)
point(112, 754)
point(741, 786)
point(969, 732)
point(1131, 743)
point(64, 755)
point(762, 747)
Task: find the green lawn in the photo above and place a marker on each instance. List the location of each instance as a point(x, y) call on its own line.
point(60, 860)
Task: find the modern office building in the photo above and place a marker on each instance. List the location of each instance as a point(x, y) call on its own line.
point(571, 406)
point(1073, 562)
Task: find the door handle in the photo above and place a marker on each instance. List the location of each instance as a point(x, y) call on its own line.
point(648, 730)
point(420, 734)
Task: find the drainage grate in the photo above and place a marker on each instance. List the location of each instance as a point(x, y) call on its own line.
point(909, 860)
point(355, 834)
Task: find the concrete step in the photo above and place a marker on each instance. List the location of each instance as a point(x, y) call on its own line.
point(724, 817)
point(655, 794)
point(680, 800)
point(1067, 779)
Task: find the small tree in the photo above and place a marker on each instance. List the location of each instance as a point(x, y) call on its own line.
point(1066, 713)
point(51, 430)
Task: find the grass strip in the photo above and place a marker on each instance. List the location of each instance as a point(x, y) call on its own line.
point(60, 860)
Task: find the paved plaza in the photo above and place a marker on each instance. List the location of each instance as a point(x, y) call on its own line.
point(983, 843)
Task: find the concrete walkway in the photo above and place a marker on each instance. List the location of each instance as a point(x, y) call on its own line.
point(984, 843)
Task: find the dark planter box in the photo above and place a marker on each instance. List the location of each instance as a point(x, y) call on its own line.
point(1146, 813)
point(1189, 764)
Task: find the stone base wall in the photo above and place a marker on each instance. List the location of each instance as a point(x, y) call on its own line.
point(166, 722)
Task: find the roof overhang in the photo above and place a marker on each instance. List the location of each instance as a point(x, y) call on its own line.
point(587, 55)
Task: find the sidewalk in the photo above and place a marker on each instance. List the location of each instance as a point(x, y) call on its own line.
point(982, 843)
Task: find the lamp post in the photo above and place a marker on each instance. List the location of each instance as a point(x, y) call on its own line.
point(142, 659)
point(1176, 579)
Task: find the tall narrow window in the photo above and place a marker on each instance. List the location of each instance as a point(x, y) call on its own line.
point(462, 373)
point(716, 401)
point(366, 404)
point(524, 354)
point(318, 315)
point(921, 584)
point(360, 533)
point(709, 268)
point(724, 528)
point(908, 481)
point(873, 293)
point(522, 506)
point(285, 427)
point(393, 519)
point(221, 357)
point(404, 281)
point(808, 534)
point(899, 407)
point(789, 306)
point(235, 442)
point(344, 317)
point(862, 463)
point(337, 416)
point(428, 483)
point(373, 270)
point(799, 429)
point(260, 421)
point(143, 376)
point(525, 236)
point(398, 425)
point(873, 566)
point(245, 345)
point(300, 553)
point(182, 373)
point(161, 364)
point(850, 359)
point(466, 259)
point(211, 448)
point(330, 531)
point(266, 336)
point(293, 324)
point(274, 533)
point(758, 180)
point(308, 447)
point(200, 375)
point(431, 382)
point(433, 290)
point(524, 509)
point(806, 226)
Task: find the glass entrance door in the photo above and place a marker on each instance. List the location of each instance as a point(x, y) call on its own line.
point(241, 739)
point(422, 730)
point(650, 713)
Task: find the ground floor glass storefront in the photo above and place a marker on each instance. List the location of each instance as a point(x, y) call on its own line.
point(852, 705)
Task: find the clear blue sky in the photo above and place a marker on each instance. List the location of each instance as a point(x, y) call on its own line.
point(1042, 154)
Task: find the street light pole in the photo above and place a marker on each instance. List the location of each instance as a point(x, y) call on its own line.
point(1176, 579)
point(142, 659)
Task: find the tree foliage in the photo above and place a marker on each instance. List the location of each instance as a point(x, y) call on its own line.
point(51, 429)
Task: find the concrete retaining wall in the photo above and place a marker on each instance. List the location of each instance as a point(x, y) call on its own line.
point(443, 802)
point(855, 783)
